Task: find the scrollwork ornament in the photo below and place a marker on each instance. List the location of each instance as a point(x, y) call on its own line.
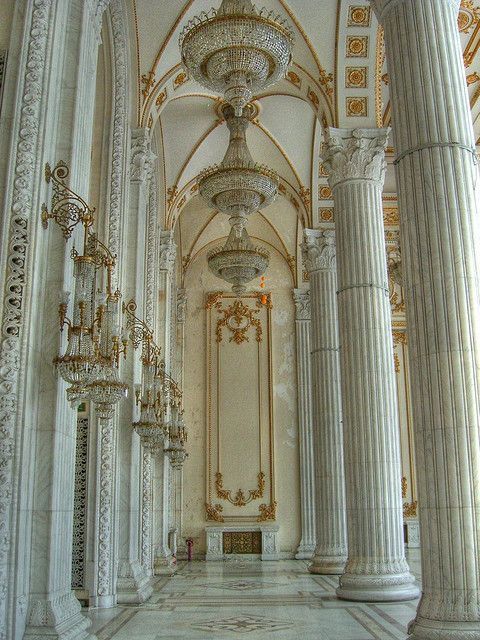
point(355, 154)
point(319, 250)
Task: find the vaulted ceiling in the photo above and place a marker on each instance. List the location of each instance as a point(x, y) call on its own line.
point(338, 77)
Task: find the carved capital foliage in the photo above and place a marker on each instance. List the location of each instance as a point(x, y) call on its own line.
point(142, 158)
point(355, 154)
point(167, 251)
point(181, 304)
point(319, 249)
point(301, 298)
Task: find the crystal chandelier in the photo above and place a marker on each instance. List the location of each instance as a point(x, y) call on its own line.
point(237, 50)
point(238, 186)
point(177, 436)
point(238, 261)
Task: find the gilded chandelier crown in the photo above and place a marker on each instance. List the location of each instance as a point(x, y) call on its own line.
point(237, 50)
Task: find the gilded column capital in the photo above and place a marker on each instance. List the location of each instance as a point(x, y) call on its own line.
point(355, 154)
point(319, 250)
point(301, 298)
point(142, 158)
point(167, 251)
point(383, 7)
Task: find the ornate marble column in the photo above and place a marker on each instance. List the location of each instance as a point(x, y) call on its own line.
point(437, 174)
point(146, 515)
point(331, 545)
point(133, 584)
point(166, 252)
point(306, 547)
point(376, 568)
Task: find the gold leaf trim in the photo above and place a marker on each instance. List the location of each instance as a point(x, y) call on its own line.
point(213, 512)
point(267, 512)
point(238, 318)
point(240, 500)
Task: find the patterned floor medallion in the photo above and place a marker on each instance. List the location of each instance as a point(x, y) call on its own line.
point(243, 624)
point(239, 585)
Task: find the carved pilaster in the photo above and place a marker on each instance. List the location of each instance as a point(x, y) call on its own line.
point(141, 158)
point(181, 305)
point(167, 251)
point(147, 498)
point(105, 586)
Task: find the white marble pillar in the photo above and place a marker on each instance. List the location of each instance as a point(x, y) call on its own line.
point(331, 544)
point(133, 582)
point(301, 298)
point(376, 568)
point(181, 306)
point(437, 174)
point(166, 254)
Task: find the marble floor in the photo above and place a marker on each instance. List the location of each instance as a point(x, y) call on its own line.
point(261, 600)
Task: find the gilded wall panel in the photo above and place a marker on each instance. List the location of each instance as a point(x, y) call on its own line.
point(239, 406)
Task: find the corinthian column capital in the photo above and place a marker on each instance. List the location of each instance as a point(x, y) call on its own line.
point(355, 154)
point(142, 157)
point(301, 298)
point(319, 250)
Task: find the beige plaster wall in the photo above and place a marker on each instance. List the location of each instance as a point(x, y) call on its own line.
point(198, 282)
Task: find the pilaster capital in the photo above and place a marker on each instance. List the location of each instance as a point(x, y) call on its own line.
point(181, 304)
point(167, 251)
point(301, 298)
point(142, 157)
point(319, 250)
point(383, 7)
point(355, 154)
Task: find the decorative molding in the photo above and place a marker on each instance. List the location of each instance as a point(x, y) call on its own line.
point(240, 499)
point(105, 508)
point(150, 262)
point(141, 157)
point(167, 251)
point(358, 16)
point(80, 506)
point(118, 169)
point(356, 46)
point(355, 154)
point(15, 278)
point(356, 77)
point(146, 512)
point(356, 107)
point(301, 298)
point(319, 249)
point(238, 318)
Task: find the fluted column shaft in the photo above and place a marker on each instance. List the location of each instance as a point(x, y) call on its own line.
point(436, 175)
point(376, 569)
point(306, 547)
point(331, 544)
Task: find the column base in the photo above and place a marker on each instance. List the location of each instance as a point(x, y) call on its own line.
point(378, 588)
point(103, 602)
point(423, 629)
point(305, 551)
point(133, 584)
point(325, 565)
point(57, 619)
point(165, 565)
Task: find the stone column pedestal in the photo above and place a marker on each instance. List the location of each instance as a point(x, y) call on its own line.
point(376, 569)
point(437, 175)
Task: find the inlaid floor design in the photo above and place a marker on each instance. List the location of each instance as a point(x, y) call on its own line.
point(257, 600)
